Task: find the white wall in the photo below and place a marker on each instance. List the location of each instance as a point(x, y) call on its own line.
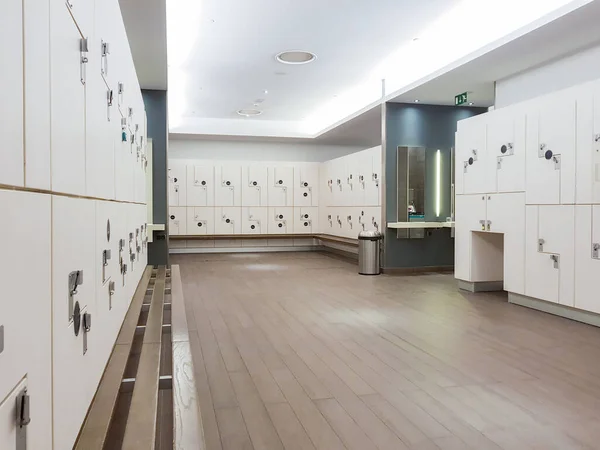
point(559, 74)
point(256, 151)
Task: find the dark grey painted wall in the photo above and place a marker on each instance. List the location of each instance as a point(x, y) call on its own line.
point(156, 112)
point(432, 127)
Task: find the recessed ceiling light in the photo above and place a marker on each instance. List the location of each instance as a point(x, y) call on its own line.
point(265, 91)
point(471, 103)
point(249, 112)
point(417, 101)
point(296, 57)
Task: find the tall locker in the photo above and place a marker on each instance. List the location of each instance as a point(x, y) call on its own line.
point(588, 145)
point(124, 169)
point(83, 14)
point(254, 185)
point(373, 189)
point(228, 220)
point(281, 186)
point(587, 257)
point(506, 151)
point(25, 311)
point(471, 213)
point(200, 189)
point(326, 220)
point(360, 180)
point(176, 179)
point(339, 186)
point(254, 220)
point(200, 221)
point(281, 220)
point(471, 157)
point(326, 184)
point(306, 219)
point(306, 189)
point(177, 220)
point(228, 185)
point(69, 71)
point(11, 95)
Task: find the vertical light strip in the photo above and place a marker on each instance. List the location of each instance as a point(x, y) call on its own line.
point(438, 182)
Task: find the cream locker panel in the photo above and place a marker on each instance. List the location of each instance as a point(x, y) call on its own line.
point(337, 214)
point(506, 215)
point(350, 177)
point(327, 220)
point(281, 186)
point(551, 135)
point(471, 157)
point(124, 170)
point(140, 173)
point(471, 212)
point(254, 185)
point(68, 75)
point(326, 184)
point(228, 186)
point(339, 186)
point(77, 367)
point(176, 178)
point(281, 220)
point(200, 185)
point(306, 219)
point(177, 221)
point(10, 432)
point(142, 214)
point(255, 220)
point(373, 190)
point(83, 14)
point(361, 171)
point(351, 222)
point(200, 221)
point(134, 229)
point(506, 150)
point(587, 257)
point(588, 145)
point(11, 97)
point(228, 220)
point(25, 308)
point(306, 189)
point(368, 218)
point(124, 278)
point(37, 86)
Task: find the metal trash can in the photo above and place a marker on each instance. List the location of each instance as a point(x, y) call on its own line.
point(369, 248)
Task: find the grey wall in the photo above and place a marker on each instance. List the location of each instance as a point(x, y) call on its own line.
point(432, 127)
point(156, 113)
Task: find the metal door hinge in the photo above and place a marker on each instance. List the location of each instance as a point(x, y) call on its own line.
point(596, 251)
point(75, 279)
point(555, 258)
point(83, 59)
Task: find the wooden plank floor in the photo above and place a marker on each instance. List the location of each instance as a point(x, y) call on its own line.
point(297, 351)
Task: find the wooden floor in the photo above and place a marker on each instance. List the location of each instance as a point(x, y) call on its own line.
point(297, 351)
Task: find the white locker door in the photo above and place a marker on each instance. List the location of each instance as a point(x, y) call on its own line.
point(200, 221)
point(281, 186)
point(326, 220)
point(25, 308)
point(228, 220)
point(281, 220)
point(338, 221)
point(373, 193)
point(255, 220)
point(362, 170)
point(506, 151)
point(177, 221)
point(8, 420)
point(339, 186)
point(588, 145)
point(351, 224)
point(177, 183)
point(228, 186)
point(506, 215)
point(200, 184)
point(471, 215)
point(551, 131)
point(68, 102)
point(254, 185)
point(306, 189)
point(326, 184)
point(11, 95)
point(471, 156)
point(306, 220)
point(587, 257)
point(77, 367)
point(124, 170)
point(83, 13)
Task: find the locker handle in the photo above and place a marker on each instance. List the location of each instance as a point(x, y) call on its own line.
point(83, 60)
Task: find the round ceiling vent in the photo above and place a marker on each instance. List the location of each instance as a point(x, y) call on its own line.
point(296, 57)
point(249, 112)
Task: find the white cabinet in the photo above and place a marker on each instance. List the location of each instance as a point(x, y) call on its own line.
point(176, 178)
point(124, 169)
point(588, 145)
point(306, 220)
point(506, 151)
point(8, 419)
point(25, 308)
point(177, 220)
point(254, 185)
point(281, 186)
point(83, 14)
point(372, 180)
point(67, 90)
point(306, 189)
point(587, 257)
point(200, 185)
point(550, 163)
point(339, 186)
point(200, 221)
point(281, 220)
point(472, 169)
point(255, 220)
point(326, 184)
point(228, 220)
point(326, 220)
point(11, 96)
point(228, 185)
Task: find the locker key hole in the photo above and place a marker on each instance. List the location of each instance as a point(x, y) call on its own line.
point(503, 149)
point(305, 224)
point(228, 183)
point(172, 217)
point(306, 216)
point(281, 216)
point(280, 225)
point(204, 183)
point(254, 183)
point(199, 224)
point(548, 155)
point(305, 194)
point(252, 227)
point(306, 184)
point(76, 319)
point(174, 180)
point(280, 181)
point(227, 221)
point(471, 160)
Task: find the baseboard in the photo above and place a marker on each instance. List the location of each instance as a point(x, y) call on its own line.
point(417, 270)
point(481, 286)
point(199, 250)
point(556, 309)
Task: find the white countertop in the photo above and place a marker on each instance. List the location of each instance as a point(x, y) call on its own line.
point(421, 225)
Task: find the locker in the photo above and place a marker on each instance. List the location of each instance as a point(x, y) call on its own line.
point(25, 308)
point(471, 157)
point(281, 220)
point(255, 220)
point(254, 185)
point(200, 221)
point(361, 169)
point(306, 219)
point(176, 177)
point(506, 151)
point(67, 90)
point(550, 255)
point(83, 14)
point(228, 186)
point(201, 185)
point(306, 190)
point(77, 367)
point(11, 97)
point(551, 132)
point(339, 186)
point(228, 220)
point(326, 184)
point(351, 225)
point(124, 169)
point(373, 193)
point(368, 218)
point(588, 145)
point(10, 432)
point(587, 257)
point(107, 22)
point(135, 221)
point(140, 176)
point(326, 220)
point(337, 217)
point(281, 186)
point(177, 221)
point(471, 213)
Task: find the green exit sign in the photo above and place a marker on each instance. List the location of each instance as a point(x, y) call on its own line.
point(460, 99)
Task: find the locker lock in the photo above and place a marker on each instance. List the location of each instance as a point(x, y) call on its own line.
point(471, 161)
point(280, 225)
point(174, 180)
point(254, 183)
point(596, 251)
point(280, 216)
point(306, 216)
point(87, 322)
point(503, 149)
point(252, 227)
point(227, 220)
point(172, 217)
point(280, 182)
point(306, 184)
point(506, 148)
point(76, 319)
point(106, 255)
point(111, 292)
point(203, 183)
point(75, 279)
point(305, 194)
point(228, 183)
point(199, 224)
point(305, 224)
point(555, 259)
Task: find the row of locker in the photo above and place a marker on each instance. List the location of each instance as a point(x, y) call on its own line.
point(228, 220)
point(548, 252)
point(548, 148)
point(73, 119)
point(352, 180)
point(207, 183)
point(349, 221)
point(70, 268)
